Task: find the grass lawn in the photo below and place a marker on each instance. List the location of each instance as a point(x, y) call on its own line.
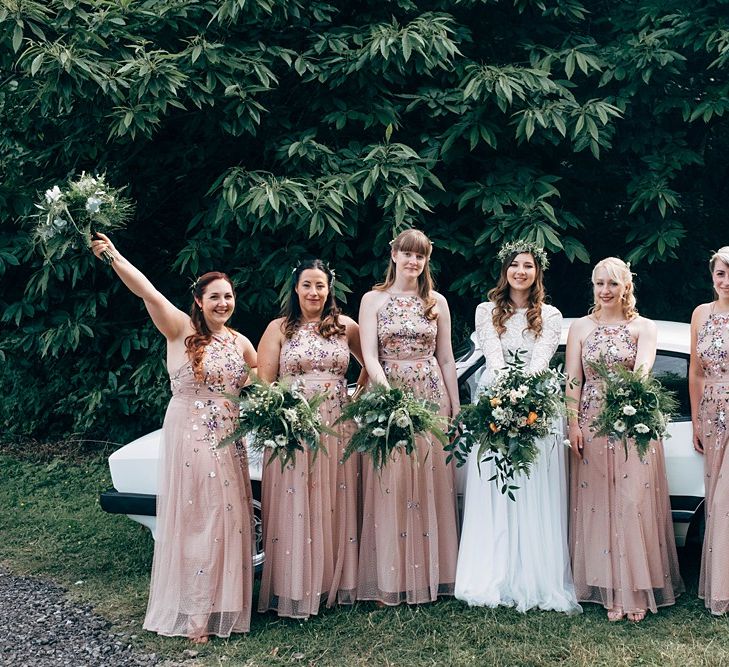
point(51, 526)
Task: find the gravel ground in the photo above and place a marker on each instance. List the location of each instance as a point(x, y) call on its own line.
point(40, 627)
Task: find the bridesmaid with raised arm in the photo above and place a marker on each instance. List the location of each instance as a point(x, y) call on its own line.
point(202, 573)
point(409, 533)
point(621, 531)
point(310, 512)
point(709, 394)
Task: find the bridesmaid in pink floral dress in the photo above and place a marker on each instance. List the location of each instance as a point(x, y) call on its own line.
point(202, 573)
point(621, 532)
point(310, 510)
point(409, 533)
point(709, 392)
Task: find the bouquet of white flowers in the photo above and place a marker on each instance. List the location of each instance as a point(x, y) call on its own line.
point(280, 418)
point(635, 407)
point(510, 415)
point(388, 420)
point(68, 217)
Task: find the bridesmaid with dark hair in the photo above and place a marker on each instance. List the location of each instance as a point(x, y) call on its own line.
point(310, 513)
point(709, 394)
point(409, 531)
point(202, 574)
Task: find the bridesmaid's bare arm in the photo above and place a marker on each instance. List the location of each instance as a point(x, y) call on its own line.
point(171, 321)
point(355, 347)
point(696, 374)
point(575, 378)
point(645, 356)
point(269, 350)
point(444, 353)
point(370, 305)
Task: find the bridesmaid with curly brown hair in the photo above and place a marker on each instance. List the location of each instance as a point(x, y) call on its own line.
point(202, 571)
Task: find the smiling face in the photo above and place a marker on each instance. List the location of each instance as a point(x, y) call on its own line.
point(522, 272)
point(312, 290)
point(408, 263)
point(217, 303)
point(608, 292)
point(720, 279)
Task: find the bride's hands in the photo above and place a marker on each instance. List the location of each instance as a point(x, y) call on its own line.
point(102, 244)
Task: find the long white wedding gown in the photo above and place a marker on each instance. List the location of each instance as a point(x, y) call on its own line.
point(514, 552)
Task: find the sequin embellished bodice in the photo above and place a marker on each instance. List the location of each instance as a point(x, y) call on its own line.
point(612, 343)
point(403, 331)
point(223, 369)
point(712, 346)
point(308, 353)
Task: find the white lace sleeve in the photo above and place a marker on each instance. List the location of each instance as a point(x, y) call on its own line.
point(546, 345)
point(489, 342)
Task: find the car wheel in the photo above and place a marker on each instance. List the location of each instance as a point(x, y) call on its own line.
point(259, 555)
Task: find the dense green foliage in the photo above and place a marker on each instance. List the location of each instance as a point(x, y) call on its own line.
point(253, 131)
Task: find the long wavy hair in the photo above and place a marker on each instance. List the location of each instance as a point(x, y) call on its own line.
point(722, 254)
point(620, 272)
point(413, 240)
point(329, 324)
point(195, 343)
point(503, 306)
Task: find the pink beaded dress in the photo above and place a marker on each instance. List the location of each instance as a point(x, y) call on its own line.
point(712, 346)
point(202, 576)
point(621, 531)
point(310, 510)
point(409, 532)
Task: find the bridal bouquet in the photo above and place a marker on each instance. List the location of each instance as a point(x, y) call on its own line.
point(510, 415)
point(69, 216)
point(388, 420)
point(635, 407)
point(279, 418)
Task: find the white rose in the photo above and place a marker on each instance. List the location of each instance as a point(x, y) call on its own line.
point(93, 204)
point(641, 428)
point(403, 421)
point(290, 414)
point(498, 413)
point(401, 443)
point(629, 410)
point(54, 194)
point(619, 426)
point(378, 432)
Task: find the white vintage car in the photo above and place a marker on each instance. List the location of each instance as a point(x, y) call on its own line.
point(134, 466)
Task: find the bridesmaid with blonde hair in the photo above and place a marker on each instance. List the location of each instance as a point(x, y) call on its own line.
point(709, 394)
point(621, 532)
point(409, 533)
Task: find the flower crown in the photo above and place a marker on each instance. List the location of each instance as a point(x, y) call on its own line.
point(533, 248)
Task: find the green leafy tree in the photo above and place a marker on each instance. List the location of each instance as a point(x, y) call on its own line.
point(252, 132)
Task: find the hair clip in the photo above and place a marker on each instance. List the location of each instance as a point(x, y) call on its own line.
point(193, 287)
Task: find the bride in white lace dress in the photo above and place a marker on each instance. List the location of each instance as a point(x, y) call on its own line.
point(514, 552)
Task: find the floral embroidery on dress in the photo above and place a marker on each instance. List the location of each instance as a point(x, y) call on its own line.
point(406, 342)
point(712, 346)
point(616, 346)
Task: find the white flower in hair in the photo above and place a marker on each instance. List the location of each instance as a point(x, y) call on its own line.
point(517, 247)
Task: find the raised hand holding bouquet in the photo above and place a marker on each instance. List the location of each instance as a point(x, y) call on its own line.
point(510, 415)
point(389, 420)
point(68, 217)
point(279, 418)
point(635, 407)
